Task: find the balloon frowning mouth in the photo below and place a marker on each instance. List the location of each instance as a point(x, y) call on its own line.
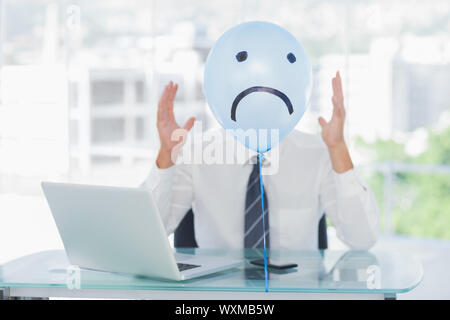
point(273, 91)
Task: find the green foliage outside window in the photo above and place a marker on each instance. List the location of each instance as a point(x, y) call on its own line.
point(420, 200)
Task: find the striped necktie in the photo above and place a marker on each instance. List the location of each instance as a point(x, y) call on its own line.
point(254, 231)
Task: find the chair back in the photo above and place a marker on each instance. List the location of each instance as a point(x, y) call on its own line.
point(184, 236)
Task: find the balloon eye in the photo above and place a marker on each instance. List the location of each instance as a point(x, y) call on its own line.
point(291, 57)
point(241, 56)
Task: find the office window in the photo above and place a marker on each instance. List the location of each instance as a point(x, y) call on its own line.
point(107, 92)
point(108, 130)
point(111, 59)
point(140, 92)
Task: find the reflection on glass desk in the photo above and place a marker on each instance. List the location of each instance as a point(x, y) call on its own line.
point(320, 274)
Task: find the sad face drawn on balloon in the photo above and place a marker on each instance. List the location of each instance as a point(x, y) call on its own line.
point(242, 56)
point(257, 76)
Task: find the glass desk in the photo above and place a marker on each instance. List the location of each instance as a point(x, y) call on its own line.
point(319, 275)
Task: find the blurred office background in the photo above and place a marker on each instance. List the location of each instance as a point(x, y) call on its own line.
point(80, 82)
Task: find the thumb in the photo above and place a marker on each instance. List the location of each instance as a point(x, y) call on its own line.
point(322, 122)
point(189, 124)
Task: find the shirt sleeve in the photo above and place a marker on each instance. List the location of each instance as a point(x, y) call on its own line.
point(172, 190)
point(350, 205)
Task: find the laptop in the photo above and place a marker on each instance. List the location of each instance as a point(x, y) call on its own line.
point(120, 230)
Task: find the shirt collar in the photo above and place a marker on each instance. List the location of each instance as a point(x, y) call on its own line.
point(251, 156)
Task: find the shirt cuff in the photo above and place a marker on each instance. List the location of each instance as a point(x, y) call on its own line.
point(158, 176)
point(349, 183)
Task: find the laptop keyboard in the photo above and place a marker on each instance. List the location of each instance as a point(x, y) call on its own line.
point(186, 266)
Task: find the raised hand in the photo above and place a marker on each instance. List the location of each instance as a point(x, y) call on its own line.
point(166, 125)
point(333, 130)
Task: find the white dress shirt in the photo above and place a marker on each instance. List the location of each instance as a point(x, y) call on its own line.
point(303, 188)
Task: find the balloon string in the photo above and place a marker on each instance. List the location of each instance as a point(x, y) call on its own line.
point(261, 188)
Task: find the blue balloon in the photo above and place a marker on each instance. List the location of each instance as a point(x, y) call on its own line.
point(258, 78)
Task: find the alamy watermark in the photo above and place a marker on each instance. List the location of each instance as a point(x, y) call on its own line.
point(226, 147)
point(73, 280)
point(373, 280)
point(73, 17)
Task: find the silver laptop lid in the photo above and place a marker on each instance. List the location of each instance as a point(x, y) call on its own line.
point(112, 229)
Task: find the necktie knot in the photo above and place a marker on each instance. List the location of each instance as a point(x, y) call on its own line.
point(254, 161)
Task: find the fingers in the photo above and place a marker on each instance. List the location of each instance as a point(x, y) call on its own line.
point(334, 86)
point(164, 96)
point(339, 86)
point(165, 106)
point(336, 83)
point(322, 122)
point(169, 92)
point(336, 108)
point(173, 91)
point(161, 114)
point(189, 124)
point(338, 96)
